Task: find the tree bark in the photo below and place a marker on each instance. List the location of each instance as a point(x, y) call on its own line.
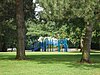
point(81, 44)
point(87, 44)
point(4, 47)
point(0, 39)
point(20, 30)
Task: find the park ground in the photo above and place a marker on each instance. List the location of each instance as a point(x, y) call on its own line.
point(49, 63)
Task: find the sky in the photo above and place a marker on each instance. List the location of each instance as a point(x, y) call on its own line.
point(34, 1)
point(38, 9)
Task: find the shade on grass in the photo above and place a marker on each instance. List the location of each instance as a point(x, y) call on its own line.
point(48, 64)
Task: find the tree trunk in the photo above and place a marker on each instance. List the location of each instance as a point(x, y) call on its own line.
point(81, 44)
point(0, 44)
point(0, 47)
point(4, 48)
point(0, 41)
point(87, 44)
point(0, 37)
point(20, 30)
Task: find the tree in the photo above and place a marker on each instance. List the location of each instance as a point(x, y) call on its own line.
point(7, 22)
point(20, 30)
point(60, 10)
point(7, 14)
point(88, 13)
point(0, 38)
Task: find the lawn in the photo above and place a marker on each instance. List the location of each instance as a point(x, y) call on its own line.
point(48, 63)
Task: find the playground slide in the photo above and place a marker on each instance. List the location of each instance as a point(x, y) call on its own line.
point(35, 46)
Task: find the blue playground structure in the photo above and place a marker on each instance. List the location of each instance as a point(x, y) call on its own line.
point(50, 45)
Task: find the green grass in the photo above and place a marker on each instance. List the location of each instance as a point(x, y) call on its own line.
point(48, 64)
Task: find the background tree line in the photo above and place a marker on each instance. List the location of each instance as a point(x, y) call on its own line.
point(71, 19)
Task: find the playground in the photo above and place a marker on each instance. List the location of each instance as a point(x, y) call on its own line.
point(49, 44)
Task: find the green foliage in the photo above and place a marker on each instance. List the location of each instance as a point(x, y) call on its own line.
point(76, 14)
point(8, 32)
point(54, 9)
point(36, 29)
point(64, 17)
